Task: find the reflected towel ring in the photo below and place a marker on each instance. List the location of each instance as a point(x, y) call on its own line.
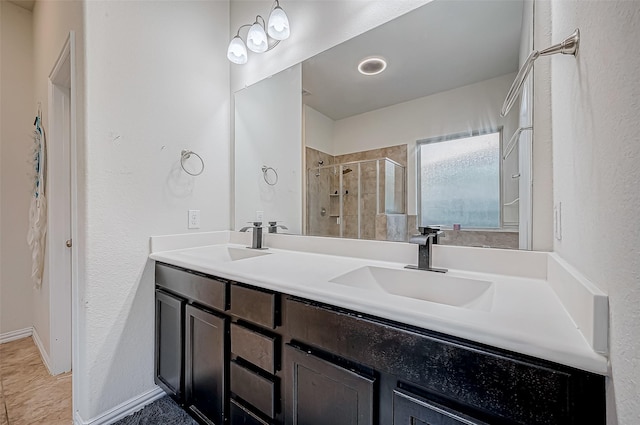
point(186, 154)
point(270, 175)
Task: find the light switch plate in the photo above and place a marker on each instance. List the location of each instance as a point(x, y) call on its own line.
point(194, 219)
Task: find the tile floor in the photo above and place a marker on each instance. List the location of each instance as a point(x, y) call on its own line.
point(28, 394)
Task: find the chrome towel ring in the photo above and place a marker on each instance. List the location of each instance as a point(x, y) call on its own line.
point(186, 154)
point(270, 175)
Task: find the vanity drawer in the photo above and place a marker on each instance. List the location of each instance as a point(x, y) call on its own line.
point(204, 290)
point(256, 390)
point(254, 347)
point(255, 305)
point(242, 416)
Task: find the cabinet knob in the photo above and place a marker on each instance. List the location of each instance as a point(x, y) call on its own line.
point(68, 243)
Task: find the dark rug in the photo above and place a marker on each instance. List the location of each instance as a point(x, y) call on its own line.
point(163, 411)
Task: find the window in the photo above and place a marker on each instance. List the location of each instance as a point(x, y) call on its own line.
point(459, 181)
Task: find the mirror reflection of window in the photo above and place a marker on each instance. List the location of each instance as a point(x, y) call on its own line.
point(459, 181)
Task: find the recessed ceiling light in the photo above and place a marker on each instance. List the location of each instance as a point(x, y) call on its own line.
point(372, 66)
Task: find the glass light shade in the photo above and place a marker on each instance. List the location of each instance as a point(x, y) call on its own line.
point(237, 51)
point(278, 26)
point(257, 39)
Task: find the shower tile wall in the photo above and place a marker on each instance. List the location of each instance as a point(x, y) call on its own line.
point(320, 188)
point(493, 239)
point(368, 186)
point(391, 227)
point(397, 153)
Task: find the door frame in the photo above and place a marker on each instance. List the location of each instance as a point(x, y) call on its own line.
point(62, 208)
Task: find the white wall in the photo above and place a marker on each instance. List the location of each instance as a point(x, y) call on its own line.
point(464, 109)
point(17, 111)
point(52, 21)
point(318, 130)
point(157, 82)
point(316, 25)
point(272, 137)
point(542, 163)
point(596, 151)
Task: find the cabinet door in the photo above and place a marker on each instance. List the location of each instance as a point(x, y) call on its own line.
point(168, 344)
point(206, 356)
point(318, 392)
point(409, 409)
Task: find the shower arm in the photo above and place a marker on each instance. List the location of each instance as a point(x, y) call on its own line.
point(568, 46)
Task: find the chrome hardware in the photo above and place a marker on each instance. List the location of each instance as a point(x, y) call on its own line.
point(425, 240)
point(256, 241)
point(273, 227)
point(186, 154)
point(514, 141)
point(568, 46)
point(68, 243)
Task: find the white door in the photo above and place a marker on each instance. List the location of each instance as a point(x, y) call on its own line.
point(59, 190)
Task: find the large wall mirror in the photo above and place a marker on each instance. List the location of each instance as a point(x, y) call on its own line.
point(419, 143)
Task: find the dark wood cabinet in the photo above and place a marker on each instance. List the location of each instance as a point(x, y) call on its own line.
point(234, 354)
point(206, 355)
point(168, 345)
point(410, 409)
point(319, 392)
point(240, 415)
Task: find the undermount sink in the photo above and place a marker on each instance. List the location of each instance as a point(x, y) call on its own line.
point(422, 285)
point(224, 254)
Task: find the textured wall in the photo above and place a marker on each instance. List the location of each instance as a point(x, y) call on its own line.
point(596, 150)
point(17, 110)
point(542, 193)
point(157, 82)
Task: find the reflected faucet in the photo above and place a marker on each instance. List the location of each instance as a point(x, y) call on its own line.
point(273, 227)
point(256, 241)
point(426, 239)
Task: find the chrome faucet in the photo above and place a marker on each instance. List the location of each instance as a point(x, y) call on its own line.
point(426, 239)
point(273, 227)
point(256, 241)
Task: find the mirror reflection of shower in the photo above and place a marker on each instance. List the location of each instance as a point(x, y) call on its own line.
point(363, 199)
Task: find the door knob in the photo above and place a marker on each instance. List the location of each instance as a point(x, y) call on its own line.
point(68, 243)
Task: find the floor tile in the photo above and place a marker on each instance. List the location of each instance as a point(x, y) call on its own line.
point(30, 394)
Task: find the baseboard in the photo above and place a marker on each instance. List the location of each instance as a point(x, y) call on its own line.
point(122, 410)
point(15, 335)
point(43, 353)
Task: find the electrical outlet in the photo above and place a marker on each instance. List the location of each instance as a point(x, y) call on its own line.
point(557, 220)
point(194, 219)
point(260, 216)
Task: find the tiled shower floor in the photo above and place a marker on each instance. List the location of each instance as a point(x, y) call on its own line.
point(28, 394)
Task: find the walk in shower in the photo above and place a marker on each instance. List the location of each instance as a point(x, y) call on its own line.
point(361, 199)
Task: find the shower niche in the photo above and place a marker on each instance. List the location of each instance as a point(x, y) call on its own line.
point(364, 199)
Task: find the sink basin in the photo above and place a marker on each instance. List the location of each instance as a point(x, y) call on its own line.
point(223, 254)
point(422, 285)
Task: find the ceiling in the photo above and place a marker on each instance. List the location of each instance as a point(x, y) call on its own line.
point(437, 47)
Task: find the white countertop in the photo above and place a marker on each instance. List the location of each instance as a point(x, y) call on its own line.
point(527, 314)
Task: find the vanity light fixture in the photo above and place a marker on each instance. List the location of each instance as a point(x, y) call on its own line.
point(372, 66)
point(261, 37)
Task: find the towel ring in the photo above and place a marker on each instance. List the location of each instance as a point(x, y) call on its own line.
point(270, 175)
point(186, 154)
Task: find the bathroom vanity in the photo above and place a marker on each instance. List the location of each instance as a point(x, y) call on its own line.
point(234, 350)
